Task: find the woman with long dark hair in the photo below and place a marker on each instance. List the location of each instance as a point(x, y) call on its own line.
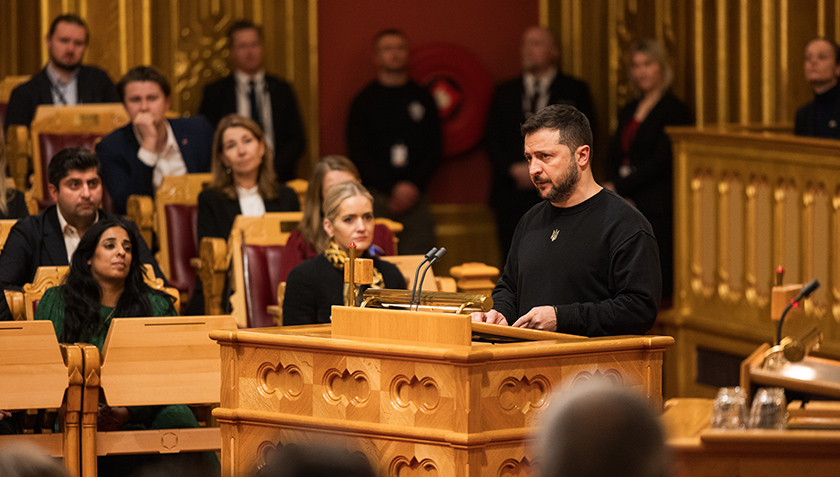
point(105, 281)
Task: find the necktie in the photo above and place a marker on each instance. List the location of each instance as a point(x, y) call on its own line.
point(535, 97)
point(252, 98)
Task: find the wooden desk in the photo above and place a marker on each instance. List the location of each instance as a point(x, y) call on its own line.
point(702, 452)
point(459, 410)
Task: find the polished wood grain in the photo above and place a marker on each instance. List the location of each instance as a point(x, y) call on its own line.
point(457, 409)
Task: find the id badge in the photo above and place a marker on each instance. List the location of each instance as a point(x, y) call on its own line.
point(399, 155)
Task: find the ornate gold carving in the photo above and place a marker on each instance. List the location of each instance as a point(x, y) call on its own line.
point(346, 388)
point(285, 381)
point(403, 467)
point(516, 468)
point(169, 441)
point(730, 258)
point(815, 246)
point(835, 247)
point(703, 233)
point(265, 452)
point(611, 375)
point(415, 394)
point(758, 253)
point(524, 394)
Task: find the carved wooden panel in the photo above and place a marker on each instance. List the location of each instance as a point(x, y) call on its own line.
point(411, 410)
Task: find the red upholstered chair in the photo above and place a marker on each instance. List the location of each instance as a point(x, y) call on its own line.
point(57, 127)
point(256, 245)
point(175, 222)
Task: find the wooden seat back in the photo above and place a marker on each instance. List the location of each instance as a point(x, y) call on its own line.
point(8, 84)
point(147, 362)
point(5, 227)
point(36, 372)
point(57, 127)
point(269, 232)
point(176, 227)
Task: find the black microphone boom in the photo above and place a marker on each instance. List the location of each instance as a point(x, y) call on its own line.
point(440, 253)
point(429, 255)
point(806, 290)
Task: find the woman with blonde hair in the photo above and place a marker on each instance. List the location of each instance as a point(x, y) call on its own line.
point(12, 202)
point(639, 156)
point(314, 286)
point(310, 239)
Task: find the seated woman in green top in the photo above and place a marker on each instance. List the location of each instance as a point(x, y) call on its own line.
point(103, 283)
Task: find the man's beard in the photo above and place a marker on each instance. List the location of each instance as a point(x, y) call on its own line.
point(563, 191)
point(64, 66)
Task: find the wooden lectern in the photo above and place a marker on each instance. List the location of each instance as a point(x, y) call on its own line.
point(413, 392)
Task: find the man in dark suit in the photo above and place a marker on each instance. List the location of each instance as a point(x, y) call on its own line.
point(51, 238)
point(514, 101)
point(252, 93)
point(136, 157)
point(64, 80)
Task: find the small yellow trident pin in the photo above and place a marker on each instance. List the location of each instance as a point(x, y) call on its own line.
point(555, 234)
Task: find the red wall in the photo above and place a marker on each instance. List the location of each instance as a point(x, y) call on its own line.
point(489, 28)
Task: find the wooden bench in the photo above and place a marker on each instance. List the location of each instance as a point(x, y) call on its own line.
point(151, 362)
point(35, 372)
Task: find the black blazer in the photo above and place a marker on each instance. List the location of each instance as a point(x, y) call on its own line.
point(503, 138)
point(124, 174)
point(37, 241)
point(219, 100)
point(805, 123)
point(94, 87)
point(315, 286)
point(216, 212)
point(650, 184)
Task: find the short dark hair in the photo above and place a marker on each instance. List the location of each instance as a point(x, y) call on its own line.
point(572, 125)
point(69, 18)
point(834, 46)
point(388, 32)
point(143, 73)
point(241, 25)
point(72, 159)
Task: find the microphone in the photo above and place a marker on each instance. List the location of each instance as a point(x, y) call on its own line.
point(440, 253)
point(429, 255)
point(806, 290)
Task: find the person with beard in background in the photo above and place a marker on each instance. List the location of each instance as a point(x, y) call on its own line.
point(64, 80)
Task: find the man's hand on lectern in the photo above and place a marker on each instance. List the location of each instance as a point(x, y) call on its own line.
point(493, 317)
point(539, 318)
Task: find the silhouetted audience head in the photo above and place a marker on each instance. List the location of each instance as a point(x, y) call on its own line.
point(27, 460)
point(316, 461)
point(599, 430)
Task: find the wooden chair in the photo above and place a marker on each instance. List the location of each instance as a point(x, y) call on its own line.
point(255, 247)
point(6, 86)
point(5, 227)
point(48, 277)
point(36, 373)
point(151, 362)
point(475, 277)
point(18, 150)
point(57, 127)
point(408, 264)
point(175, 220)
point(300, 186)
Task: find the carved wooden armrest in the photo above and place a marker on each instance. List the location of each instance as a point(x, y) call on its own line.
point(281, 295)
point(140, 210)
point(14, 299)
point(475, 277)
point(446, 284)
point(19, 150)
point(213, 254)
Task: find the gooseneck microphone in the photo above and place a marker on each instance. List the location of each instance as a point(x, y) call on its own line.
point(429, 255)
point(806, 290)
point(437, 256)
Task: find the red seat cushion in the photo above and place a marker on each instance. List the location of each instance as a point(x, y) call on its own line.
point(50, 145)
point(182, 234)
point(262, 275)
point(3, 107)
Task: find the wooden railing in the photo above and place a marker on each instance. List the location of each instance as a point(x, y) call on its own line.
point(746, 201)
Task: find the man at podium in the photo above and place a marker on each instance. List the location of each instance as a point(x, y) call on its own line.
point(583, 261)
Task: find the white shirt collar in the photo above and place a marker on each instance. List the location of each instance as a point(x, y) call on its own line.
point(243, 79)
point(545, 81)
point(70, 233)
